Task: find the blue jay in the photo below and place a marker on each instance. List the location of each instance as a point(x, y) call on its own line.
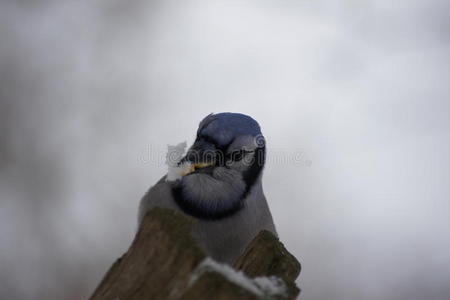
point(222, 186)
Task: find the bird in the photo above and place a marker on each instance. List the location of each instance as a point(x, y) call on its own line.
point(222, 188)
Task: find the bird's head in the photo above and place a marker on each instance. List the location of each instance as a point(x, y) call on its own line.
point(226, 161)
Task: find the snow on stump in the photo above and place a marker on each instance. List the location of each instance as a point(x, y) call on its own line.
point(164, 262)
point(266, 256)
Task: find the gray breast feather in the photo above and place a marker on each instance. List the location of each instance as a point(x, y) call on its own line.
point(224, 239)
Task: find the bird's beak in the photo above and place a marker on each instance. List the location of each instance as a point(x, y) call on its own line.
point(194, 167)
point(198, 156)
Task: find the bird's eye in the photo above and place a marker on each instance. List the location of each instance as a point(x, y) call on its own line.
point(238, 155)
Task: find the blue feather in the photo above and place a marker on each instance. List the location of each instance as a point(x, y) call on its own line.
point(224, 127)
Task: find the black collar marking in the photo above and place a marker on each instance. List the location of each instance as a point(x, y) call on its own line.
point(250, 177)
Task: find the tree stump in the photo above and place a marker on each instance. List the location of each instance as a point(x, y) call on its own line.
point(164, 262)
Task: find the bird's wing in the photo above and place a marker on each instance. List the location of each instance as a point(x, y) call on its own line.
point(159, 195)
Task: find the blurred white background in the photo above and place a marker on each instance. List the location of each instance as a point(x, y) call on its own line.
point(91, 92)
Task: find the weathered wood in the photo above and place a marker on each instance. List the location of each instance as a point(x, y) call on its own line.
point(267, 256)
point(158, 263)
point(163, 262)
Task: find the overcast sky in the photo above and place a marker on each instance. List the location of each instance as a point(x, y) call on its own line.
point(352, 97)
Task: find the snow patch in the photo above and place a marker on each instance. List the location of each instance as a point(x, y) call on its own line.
point(260, 286)
point(173, 157)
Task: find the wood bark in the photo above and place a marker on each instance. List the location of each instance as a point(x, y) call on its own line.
point(163, 257)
